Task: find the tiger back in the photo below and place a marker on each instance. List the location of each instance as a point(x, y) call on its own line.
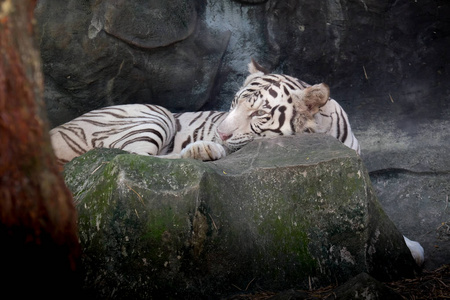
point(142, 129)
point(136, 128)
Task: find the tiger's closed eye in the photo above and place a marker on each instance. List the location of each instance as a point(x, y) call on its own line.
point(258, 113)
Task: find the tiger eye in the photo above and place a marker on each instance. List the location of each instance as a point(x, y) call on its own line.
point(258, 113)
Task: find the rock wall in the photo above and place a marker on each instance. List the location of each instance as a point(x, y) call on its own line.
point(189, 55)
point(100, 53)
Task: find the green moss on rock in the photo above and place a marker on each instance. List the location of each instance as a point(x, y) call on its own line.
point(155, 227)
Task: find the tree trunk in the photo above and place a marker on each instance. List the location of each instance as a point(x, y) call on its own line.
point(38, 232)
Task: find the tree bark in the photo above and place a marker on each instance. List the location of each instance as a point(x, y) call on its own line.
point(38, 232)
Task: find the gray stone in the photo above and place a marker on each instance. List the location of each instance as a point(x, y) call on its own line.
point(290, 295)
point(420, 204)
point(364, 286)
point(145, 24)
point(307, 215)
point(106, 53)
point(251, 1)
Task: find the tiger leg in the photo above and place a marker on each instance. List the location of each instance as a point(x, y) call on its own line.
point(200, 150)
point(203, 150)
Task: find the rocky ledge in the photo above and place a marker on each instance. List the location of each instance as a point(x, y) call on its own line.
point(287, 212)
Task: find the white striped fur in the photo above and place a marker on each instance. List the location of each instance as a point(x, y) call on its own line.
point(333, 120)
point(137, 128)
point(277, 98)
point(141, 129)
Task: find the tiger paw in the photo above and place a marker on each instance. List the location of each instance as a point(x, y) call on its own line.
point(203, 150)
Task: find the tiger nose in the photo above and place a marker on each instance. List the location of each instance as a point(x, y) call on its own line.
point(224, 136)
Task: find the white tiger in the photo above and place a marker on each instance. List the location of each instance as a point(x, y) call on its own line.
point(267, 105)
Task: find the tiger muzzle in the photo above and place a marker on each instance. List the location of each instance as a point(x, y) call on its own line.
point(224, 136)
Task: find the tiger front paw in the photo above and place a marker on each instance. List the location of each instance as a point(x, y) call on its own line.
point(203, 150)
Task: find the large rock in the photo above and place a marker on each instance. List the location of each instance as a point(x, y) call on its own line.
point(101, 53)
point(156, 227)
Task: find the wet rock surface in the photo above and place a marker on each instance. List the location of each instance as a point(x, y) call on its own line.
point(156, 227)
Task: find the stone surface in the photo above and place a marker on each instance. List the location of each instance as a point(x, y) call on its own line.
point(156, 227)
point(290, 295)
point(101, 53)
point(425, 199)
point(369, 52)
point(364, 286)
point(145, 24)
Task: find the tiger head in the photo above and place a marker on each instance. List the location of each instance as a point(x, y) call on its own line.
point(270, 105)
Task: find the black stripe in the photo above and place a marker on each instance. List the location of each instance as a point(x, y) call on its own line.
point(196, 118)
point(255, 81)
point(101, 124)
point(186, 142)
point(218, 115)
point(272, 111)
point(158, 110)
point(252, 127)
point(115, 115)
point(178, 125)
point(209, 151)
point(294, 82)
point(290, 86)
point(71, 143)
point(267, 104)
point(338, 127)
point(294, 114)
point(276, 76)
point(273, 93)
point(134, 132)
point(96, 140)
point(282, 117)
point(77, 131)
point(344, 137)
point(269, 80)
point(303, 84)
point(141, 139)
point(104, 134)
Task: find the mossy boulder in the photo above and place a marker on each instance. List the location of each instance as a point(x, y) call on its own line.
point(279, 213)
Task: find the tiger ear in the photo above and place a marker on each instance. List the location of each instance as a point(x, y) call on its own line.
point(255, 71)
point(254, 67)
point(315, 97)
point(306, 104)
